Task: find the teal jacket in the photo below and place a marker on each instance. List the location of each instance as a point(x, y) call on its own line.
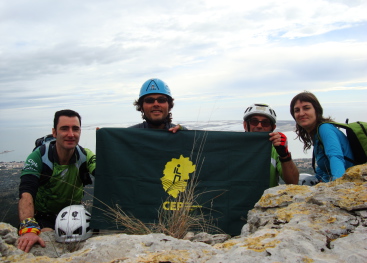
point(330, 155)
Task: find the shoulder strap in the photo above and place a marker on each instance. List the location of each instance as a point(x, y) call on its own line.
point(313, 150)
point(47, 163)
point(45, 152)
point(82, 156)
point(82, 166)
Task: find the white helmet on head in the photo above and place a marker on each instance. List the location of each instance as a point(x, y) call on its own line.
point(72, 224)
point(260, 109)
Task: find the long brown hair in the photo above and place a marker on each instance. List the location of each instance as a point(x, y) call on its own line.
point(302, 134)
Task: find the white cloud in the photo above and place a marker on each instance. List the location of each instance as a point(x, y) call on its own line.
point(216, 56)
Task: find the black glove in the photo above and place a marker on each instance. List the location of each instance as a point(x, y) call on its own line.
point(282, 149)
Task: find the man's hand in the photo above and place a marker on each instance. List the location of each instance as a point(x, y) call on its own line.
point(280, 143)
point(175, 129)
point(26, 241)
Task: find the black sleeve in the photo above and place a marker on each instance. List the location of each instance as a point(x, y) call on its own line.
point(28, 184)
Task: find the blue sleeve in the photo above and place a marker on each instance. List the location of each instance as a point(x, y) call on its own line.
point(333, 149)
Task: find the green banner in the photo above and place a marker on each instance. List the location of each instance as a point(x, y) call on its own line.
point(145, 170)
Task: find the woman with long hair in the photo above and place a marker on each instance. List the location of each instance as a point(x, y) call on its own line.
point(311, 126)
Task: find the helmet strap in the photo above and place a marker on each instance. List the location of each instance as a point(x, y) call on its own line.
point(248, 124)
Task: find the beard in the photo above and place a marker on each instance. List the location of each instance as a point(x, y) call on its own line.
point(155, 122)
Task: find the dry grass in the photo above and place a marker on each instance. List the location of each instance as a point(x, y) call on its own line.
point(189, 217)
point(176, 223)
point(130, 224)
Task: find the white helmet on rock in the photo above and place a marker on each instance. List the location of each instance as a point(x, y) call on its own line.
point(307, 179)
point(260, 109)
point(72, 224)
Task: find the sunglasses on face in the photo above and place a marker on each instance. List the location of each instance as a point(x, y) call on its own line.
point(151, 100)
point(264, 123)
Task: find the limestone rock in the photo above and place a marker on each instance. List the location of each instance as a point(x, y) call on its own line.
point(207, 238)
point(8, 250)
point(290, 223)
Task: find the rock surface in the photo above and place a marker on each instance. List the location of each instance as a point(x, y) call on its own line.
point(290, 223)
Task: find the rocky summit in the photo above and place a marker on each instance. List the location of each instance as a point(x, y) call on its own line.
point(290, 223)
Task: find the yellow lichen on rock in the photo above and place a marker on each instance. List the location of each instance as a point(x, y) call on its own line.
point(282, 196)
point(307, 260)
point(256, 243)
point(356, 174)
point(228, 244)
point(165, 256)
point(353, 198)
point(357, 171)
point(260, 243)
point(40, 259)
point(288, 212)
point(331, 220)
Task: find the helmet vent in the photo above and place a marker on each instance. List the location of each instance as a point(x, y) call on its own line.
point(78, 231)
point(260, 109)
point(61, 232)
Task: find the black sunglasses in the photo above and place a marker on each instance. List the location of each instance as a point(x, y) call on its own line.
point(151, 100)
point(264, 123)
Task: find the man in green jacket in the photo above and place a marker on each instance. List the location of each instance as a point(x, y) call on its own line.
point(52, 178)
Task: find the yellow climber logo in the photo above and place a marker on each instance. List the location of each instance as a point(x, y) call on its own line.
point(176, 174)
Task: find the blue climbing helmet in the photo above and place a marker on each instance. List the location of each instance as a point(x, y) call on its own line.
point(154, 86)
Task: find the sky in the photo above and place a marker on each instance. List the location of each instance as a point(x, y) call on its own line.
point(217, 57)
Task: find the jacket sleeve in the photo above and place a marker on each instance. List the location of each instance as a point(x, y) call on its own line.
point(30, 175)
point(28, 184)
point(91, 161)
point(320, 174)
point(333, 149)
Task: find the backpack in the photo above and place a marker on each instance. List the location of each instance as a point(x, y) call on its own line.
point(357, 138)
point(41, 141)
point(44, 143)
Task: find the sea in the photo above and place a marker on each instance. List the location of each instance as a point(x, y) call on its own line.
point(17, 143)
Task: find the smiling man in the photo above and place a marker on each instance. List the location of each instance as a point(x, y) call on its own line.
point(155, 103)
point(52, 178)
point(262, 118)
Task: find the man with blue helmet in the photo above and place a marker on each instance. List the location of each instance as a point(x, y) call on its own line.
point(155, 103)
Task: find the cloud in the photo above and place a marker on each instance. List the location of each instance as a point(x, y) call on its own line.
point(94, 56)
